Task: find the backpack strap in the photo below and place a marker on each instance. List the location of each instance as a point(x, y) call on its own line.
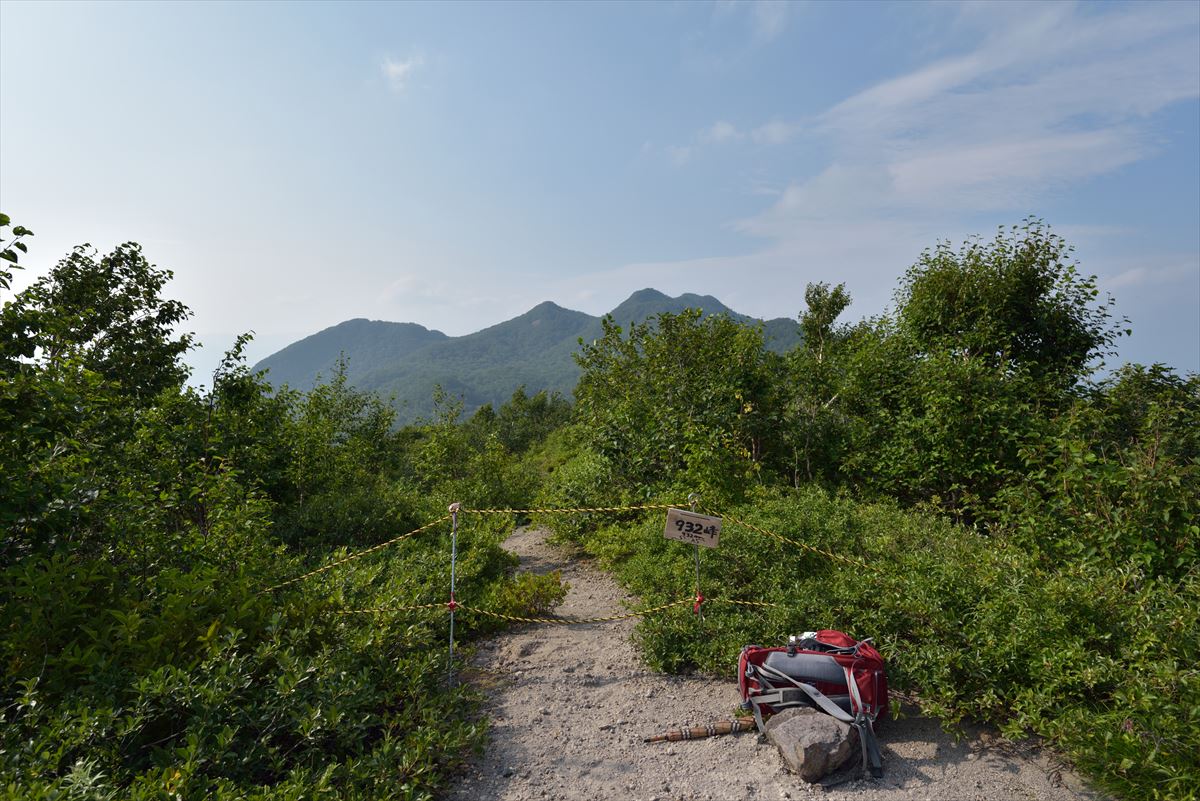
point(801, 694)
point(864, 721)
point(872, 761)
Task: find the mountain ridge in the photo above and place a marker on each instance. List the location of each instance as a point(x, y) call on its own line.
point(407, 360)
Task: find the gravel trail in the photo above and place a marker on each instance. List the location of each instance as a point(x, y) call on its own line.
point(570, 705)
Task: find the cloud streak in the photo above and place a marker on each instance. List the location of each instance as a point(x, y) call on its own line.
point(398, 72)
point(1049, 96)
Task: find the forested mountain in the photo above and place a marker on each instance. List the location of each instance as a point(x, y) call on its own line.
point(406, 360)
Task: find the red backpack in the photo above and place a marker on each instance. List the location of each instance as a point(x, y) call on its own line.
point(827, 670)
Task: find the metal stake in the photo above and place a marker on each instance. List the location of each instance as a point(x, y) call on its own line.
point(453, 603)
point(692, 499)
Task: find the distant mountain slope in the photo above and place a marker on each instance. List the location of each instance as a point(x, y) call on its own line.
point(363, 343)
point(406, 360)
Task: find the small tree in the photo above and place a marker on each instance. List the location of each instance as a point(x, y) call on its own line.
point(1017, 303)
point(987, 343)
point(814, 424)
point(108, 314)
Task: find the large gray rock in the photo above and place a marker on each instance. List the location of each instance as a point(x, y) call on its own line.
point(811, 743)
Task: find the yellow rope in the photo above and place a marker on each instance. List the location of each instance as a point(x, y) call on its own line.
point(645, 507)
point(799, 544)
point(567, 621)
point(744, 603)
point(358, 555)
point(638, 508)
point(376, 610)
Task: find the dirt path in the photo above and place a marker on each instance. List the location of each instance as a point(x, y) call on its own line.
point(570, 706)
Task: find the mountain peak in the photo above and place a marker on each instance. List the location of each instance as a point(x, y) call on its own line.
point(547, 306)
point(647, 295)
point(647, 303)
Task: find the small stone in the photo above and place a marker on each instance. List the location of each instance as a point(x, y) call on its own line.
point(507, 772)
point(544, 711)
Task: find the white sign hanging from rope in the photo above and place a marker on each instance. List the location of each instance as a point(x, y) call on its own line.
point(692, 528)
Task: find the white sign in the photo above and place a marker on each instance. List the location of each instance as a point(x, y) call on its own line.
point(692, 528)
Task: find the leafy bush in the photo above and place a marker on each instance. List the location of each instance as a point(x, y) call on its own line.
point(1118, 480)
point(204, 688)
point(681, 401)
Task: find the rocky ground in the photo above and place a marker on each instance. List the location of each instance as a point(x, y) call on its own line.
point(570, 705)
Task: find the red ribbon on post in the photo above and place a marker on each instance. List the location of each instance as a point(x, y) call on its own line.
point(696, 606)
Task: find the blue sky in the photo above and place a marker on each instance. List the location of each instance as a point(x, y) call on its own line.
point(455, 164)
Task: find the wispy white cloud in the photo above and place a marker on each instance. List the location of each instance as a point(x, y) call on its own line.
point(397, 72)
point(679, 155)
point(765, 19)
point(1174, 271)
point(1009, 173)
point(721, 131)
point(776, 132)
point(1048, 96)
point(769, 18)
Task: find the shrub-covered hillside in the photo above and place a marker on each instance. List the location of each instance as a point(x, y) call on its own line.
point(1029, 525)
point(143, 521)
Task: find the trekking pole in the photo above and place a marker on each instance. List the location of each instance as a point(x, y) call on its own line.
point(453, 603)
point(692, 499)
